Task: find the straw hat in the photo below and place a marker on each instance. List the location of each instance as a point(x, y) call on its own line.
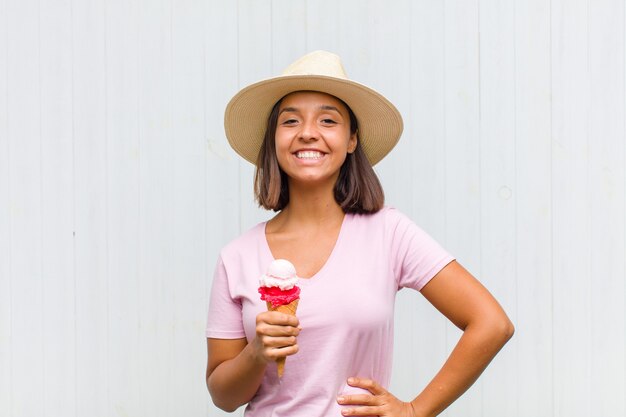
point(245, 119)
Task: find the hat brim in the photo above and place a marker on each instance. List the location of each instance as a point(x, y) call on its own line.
point(247, 113)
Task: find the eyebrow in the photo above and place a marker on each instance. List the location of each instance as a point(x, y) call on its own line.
point(327, 107)
point(287, 109)
point(322, 107)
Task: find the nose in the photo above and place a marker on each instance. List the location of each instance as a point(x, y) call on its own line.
point(309, 131)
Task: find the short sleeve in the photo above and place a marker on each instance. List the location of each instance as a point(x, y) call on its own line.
point(416, 256)
point(225, 316)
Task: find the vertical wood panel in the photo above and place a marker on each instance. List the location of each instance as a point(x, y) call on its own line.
point(6, 392)
point(353, 39)
point(122, 181)
point(57, 209)
point(289, 35)
point(425, 118)
point(24, 136)
point(498, 188)
point(533, 204)
point(571, 216)
point(462, 162)
point(386, 72)
point(188, 161)
point(156, 205)
point(322, 28)
point(462, 132)
point(222, 167)
point(255, 63)
point(606, 179)
point(90, 199)
point(221, 75)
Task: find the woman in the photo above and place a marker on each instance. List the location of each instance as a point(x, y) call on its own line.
point(314, 136)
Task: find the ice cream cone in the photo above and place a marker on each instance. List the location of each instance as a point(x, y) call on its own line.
point(280, 291)
point(286, 309)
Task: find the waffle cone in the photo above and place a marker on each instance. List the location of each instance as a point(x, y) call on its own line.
point(286, 309)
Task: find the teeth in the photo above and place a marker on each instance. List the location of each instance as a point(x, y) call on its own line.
point(309, 155)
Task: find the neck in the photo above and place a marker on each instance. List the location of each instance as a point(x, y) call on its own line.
point(311, 206)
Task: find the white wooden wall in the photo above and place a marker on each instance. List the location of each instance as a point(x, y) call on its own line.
point(118, 188)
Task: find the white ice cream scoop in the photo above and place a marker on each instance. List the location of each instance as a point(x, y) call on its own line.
point(281, 273)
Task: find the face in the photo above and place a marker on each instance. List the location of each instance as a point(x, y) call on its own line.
point(313, 137)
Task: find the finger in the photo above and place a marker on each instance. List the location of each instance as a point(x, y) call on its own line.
point(277, 342)
point(281, 352)
point(276, 331)
point(278, 318)
point(368, 384)
point(362, 411)
point(357, 399)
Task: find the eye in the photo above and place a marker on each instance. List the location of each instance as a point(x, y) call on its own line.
point(329, 121)
point(289, 122)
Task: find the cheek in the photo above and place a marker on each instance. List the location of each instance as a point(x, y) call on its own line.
point(282, 141)
point(282, 151)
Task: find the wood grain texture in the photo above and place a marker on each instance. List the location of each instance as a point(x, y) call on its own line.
point(606, 208)
point(123, 202)
point(220, 62)
point(462, 159)
point(254, 57)
point(533, 257)
point(498, 193)
point(188, 159)
point(571, 215)
point(222, 170)
point(6, 293)
point(92, 273)
point(157, 207)
point(24, 137)
point(57, 187)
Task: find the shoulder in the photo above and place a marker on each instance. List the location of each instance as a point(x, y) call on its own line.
point(393, 224)
point(387, 224)
point(387, 217)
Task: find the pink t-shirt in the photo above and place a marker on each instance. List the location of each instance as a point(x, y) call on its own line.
point(346, 310)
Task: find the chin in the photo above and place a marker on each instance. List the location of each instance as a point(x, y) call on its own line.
point(314, 180)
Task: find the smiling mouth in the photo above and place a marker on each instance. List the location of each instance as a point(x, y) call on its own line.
point(309, 155)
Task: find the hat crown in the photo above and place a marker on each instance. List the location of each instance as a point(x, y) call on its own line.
point(317, 63)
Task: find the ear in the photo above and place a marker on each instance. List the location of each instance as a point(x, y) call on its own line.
point(352, 142)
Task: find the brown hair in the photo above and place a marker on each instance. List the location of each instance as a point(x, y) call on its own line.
point(357, 189)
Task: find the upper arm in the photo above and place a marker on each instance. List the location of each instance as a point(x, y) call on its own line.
point(220, 350)
point(462, 299)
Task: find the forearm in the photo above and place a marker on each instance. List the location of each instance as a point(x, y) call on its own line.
point(476, 348)
point(234, 382)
